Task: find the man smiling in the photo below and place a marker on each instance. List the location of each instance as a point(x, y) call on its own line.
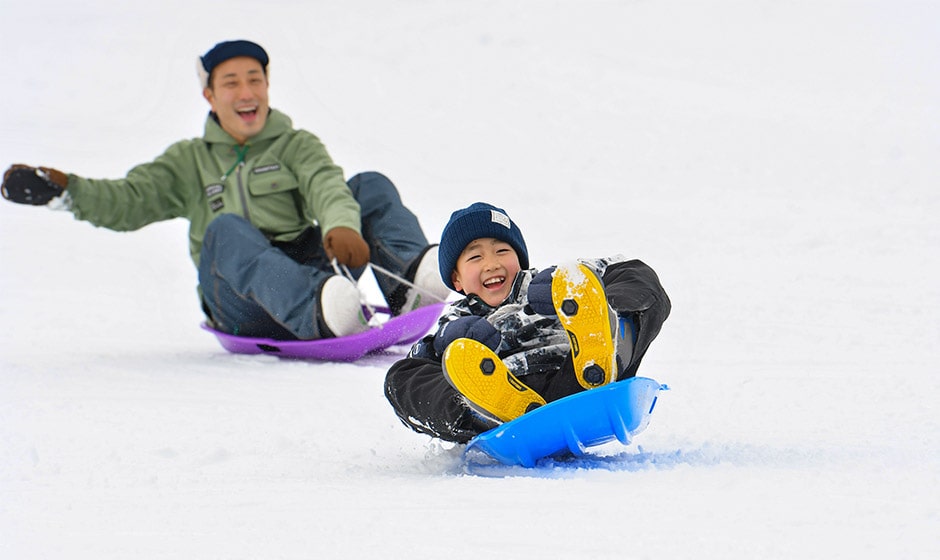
point(237, 89)
point(270, 213)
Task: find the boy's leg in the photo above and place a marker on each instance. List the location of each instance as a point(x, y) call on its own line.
point(254, 289)
point(634, 290)
point(425, 402)
point(478, 374)
point(591, 324)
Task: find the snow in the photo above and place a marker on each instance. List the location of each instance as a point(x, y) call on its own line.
point(775, 162)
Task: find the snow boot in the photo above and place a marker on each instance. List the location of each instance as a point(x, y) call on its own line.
point(592, 325)
point(485, 382)
point(340, 308)
point(428, 287)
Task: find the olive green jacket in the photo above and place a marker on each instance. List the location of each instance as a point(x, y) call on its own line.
point(282, 181)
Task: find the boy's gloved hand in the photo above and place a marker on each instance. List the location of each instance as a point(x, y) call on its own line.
point(540, 292)
point(346, 246)
point(474, 327)
point(30, 185)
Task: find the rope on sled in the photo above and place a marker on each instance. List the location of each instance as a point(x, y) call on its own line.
point(398, 278)
point(343, 270)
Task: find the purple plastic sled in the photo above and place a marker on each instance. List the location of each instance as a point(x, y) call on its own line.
point(403, 329)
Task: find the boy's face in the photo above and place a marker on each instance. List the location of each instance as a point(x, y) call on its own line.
point(487, 267)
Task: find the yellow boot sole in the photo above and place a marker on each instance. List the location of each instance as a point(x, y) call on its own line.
point(579, 298)
point(478, 374)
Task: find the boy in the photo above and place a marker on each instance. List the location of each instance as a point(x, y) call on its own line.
point(520, 337)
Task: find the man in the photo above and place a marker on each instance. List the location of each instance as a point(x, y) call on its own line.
point(270, 213)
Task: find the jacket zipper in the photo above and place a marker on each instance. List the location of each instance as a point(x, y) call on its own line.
point(242, 191)
point(237, 167)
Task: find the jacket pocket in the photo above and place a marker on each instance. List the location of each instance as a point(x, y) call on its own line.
point(271, 178)
point(276, 206)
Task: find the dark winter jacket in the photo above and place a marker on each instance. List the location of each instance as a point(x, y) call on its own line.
point(529, 341)
point(533, 343)
point(534, 347)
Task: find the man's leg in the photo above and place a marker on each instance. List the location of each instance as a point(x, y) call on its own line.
point(396, 241)
point(254, 289)
point(392, 230)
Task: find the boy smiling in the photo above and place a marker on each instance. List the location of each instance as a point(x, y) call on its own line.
point(486, 268)
point(520, 337)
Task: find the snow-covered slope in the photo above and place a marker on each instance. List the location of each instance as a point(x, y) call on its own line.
point(774, 162)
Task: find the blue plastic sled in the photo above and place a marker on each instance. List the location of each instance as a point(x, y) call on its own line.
point(616, 411)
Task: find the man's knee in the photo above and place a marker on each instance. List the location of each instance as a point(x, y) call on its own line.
point(232, 230)
point(372, 187)
point(228, 222)
point(369, 178)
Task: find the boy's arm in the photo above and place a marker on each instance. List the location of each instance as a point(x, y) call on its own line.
point(456, 322)
point(472, 326)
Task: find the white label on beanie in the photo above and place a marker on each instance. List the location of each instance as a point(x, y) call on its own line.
point(500, 218)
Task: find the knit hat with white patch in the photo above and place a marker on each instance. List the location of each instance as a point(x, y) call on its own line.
point(477, 221)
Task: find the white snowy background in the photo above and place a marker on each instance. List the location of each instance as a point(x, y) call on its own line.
point(775, 162)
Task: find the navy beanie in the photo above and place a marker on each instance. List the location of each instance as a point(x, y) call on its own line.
point(230, 49)
point(477, 221)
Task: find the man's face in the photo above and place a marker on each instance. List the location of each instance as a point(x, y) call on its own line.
point(487, 268)
point(238, 94)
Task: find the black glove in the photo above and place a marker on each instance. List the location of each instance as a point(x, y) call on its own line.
point(28, 185)
point(475, 327)
point(540, 293)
